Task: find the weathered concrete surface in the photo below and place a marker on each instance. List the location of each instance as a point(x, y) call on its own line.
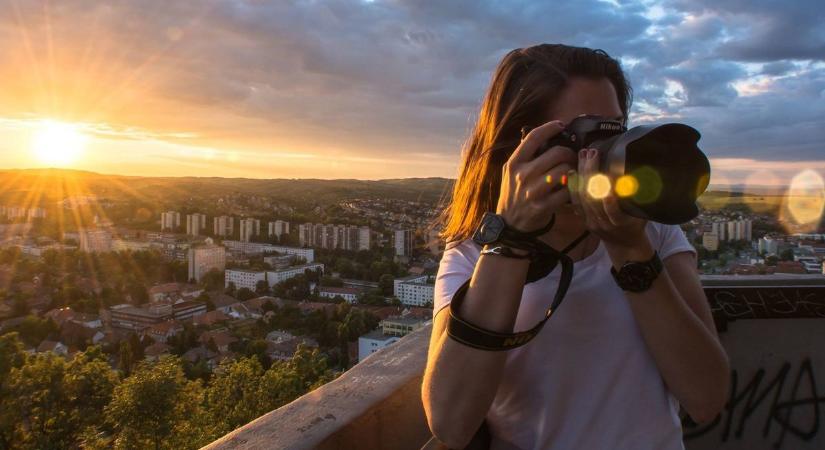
point(374, 405)
point(774, 336)
point(777, 388)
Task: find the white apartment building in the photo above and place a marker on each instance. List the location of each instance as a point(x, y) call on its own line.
point(195, 224)
point(258, 248)
point(328, 236)
point(348, 294)
point(274, 277)
point(403, 242)
point(249, 229)
point(278, 228)
point(169, 220)
point(768, 246)
point(364, 238)
point(95, 241)
point(372, 342)
point(414, 290)
point(223, 226)
point(244, 278)
point(203, 258)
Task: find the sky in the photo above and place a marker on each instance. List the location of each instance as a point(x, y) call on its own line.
point(388, 88)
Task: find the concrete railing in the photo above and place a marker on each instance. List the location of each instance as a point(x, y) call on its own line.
point(773, 329)
point(374, 405)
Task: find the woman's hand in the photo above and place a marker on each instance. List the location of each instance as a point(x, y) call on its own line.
point(595, 199)
point(532, 188)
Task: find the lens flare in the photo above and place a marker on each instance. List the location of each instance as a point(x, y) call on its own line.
point(760, 203)
point(598, 186)
point(805, 199)
point(650, 185)
point(626, 185)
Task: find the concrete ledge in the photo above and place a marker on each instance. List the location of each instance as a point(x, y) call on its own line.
point(374, 405)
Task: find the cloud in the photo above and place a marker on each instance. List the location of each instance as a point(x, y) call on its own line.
point(392, 79)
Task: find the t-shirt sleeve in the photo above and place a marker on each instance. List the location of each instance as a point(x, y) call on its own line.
point(672, 240)
point(456, 267)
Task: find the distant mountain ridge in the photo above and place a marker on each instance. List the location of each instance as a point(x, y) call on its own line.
point(56, 184)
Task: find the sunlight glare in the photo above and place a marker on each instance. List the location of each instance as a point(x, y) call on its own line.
point(57, 143)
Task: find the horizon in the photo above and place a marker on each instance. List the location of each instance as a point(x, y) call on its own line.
point(89, 172)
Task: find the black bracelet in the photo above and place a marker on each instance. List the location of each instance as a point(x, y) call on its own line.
point(507, 252)
point(477, 337)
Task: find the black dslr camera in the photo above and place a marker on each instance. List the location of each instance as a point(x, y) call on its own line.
point(661, 170)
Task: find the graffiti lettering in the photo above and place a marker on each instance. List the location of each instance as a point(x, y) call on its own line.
point(750, 399)
point(767, 302)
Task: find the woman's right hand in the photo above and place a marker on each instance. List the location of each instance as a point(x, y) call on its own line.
point(528, 197)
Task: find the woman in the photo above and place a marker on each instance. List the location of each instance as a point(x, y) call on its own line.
point(611, 367)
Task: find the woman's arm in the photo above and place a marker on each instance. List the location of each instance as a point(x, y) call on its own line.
point(460, 382)
point(677, 326)
point(673, 314)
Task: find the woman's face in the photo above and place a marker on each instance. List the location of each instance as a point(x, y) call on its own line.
point(585, 96)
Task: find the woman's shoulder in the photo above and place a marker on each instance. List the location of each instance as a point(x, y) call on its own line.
point(668, 239)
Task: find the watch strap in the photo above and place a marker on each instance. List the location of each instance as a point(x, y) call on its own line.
point(654, 263)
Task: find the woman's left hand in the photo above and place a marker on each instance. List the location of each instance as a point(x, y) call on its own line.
point(594, 198)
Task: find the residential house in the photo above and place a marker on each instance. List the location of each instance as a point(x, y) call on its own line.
point(53, 346)
point(161, 332)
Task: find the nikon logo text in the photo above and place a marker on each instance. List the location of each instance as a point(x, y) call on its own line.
point(607, 126)
point(517, 340)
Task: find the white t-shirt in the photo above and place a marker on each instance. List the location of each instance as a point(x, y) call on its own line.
point(587, 381)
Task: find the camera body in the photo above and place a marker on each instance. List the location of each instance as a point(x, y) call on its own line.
point(663, 162)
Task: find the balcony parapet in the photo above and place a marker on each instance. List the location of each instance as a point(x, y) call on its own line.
point(376, 404)
point(772, 328)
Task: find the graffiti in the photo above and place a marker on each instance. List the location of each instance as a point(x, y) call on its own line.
point(798, 414)
point(761, 302)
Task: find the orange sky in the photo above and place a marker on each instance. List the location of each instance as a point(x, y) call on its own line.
point(349, 89)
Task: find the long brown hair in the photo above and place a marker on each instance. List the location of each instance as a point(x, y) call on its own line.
point(523, 87)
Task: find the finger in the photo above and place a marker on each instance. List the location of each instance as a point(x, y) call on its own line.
point(556, 178)
point(593, 200)
point(551, 158)
point(614, 212)
point(551, 181)
point(537, 136)
point(574, 187)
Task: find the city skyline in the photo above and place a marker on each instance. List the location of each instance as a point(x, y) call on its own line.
point(379, 89)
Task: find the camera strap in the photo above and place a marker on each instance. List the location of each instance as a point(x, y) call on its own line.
point(544, 260)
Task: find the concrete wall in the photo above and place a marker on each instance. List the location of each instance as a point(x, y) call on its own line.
point(777, 388)
point(774, 336)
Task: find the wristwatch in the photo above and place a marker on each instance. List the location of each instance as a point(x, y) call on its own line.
point(494, 230)
point(638, 276)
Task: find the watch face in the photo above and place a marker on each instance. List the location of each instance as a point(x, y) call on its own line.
point(636, 276)
point(490, 229)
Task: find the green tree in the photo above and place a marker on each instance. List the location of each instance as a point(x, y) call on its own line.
point(39, 398)
point(89, 383)
point(386, 283)
point(156, 407)
point(232, 398)
point(262, 288)
point(213, 280)
point(12, 357)
point(245, 294)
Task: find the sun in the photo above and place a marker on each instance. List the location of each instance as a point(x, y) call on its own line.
point(58, 143)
